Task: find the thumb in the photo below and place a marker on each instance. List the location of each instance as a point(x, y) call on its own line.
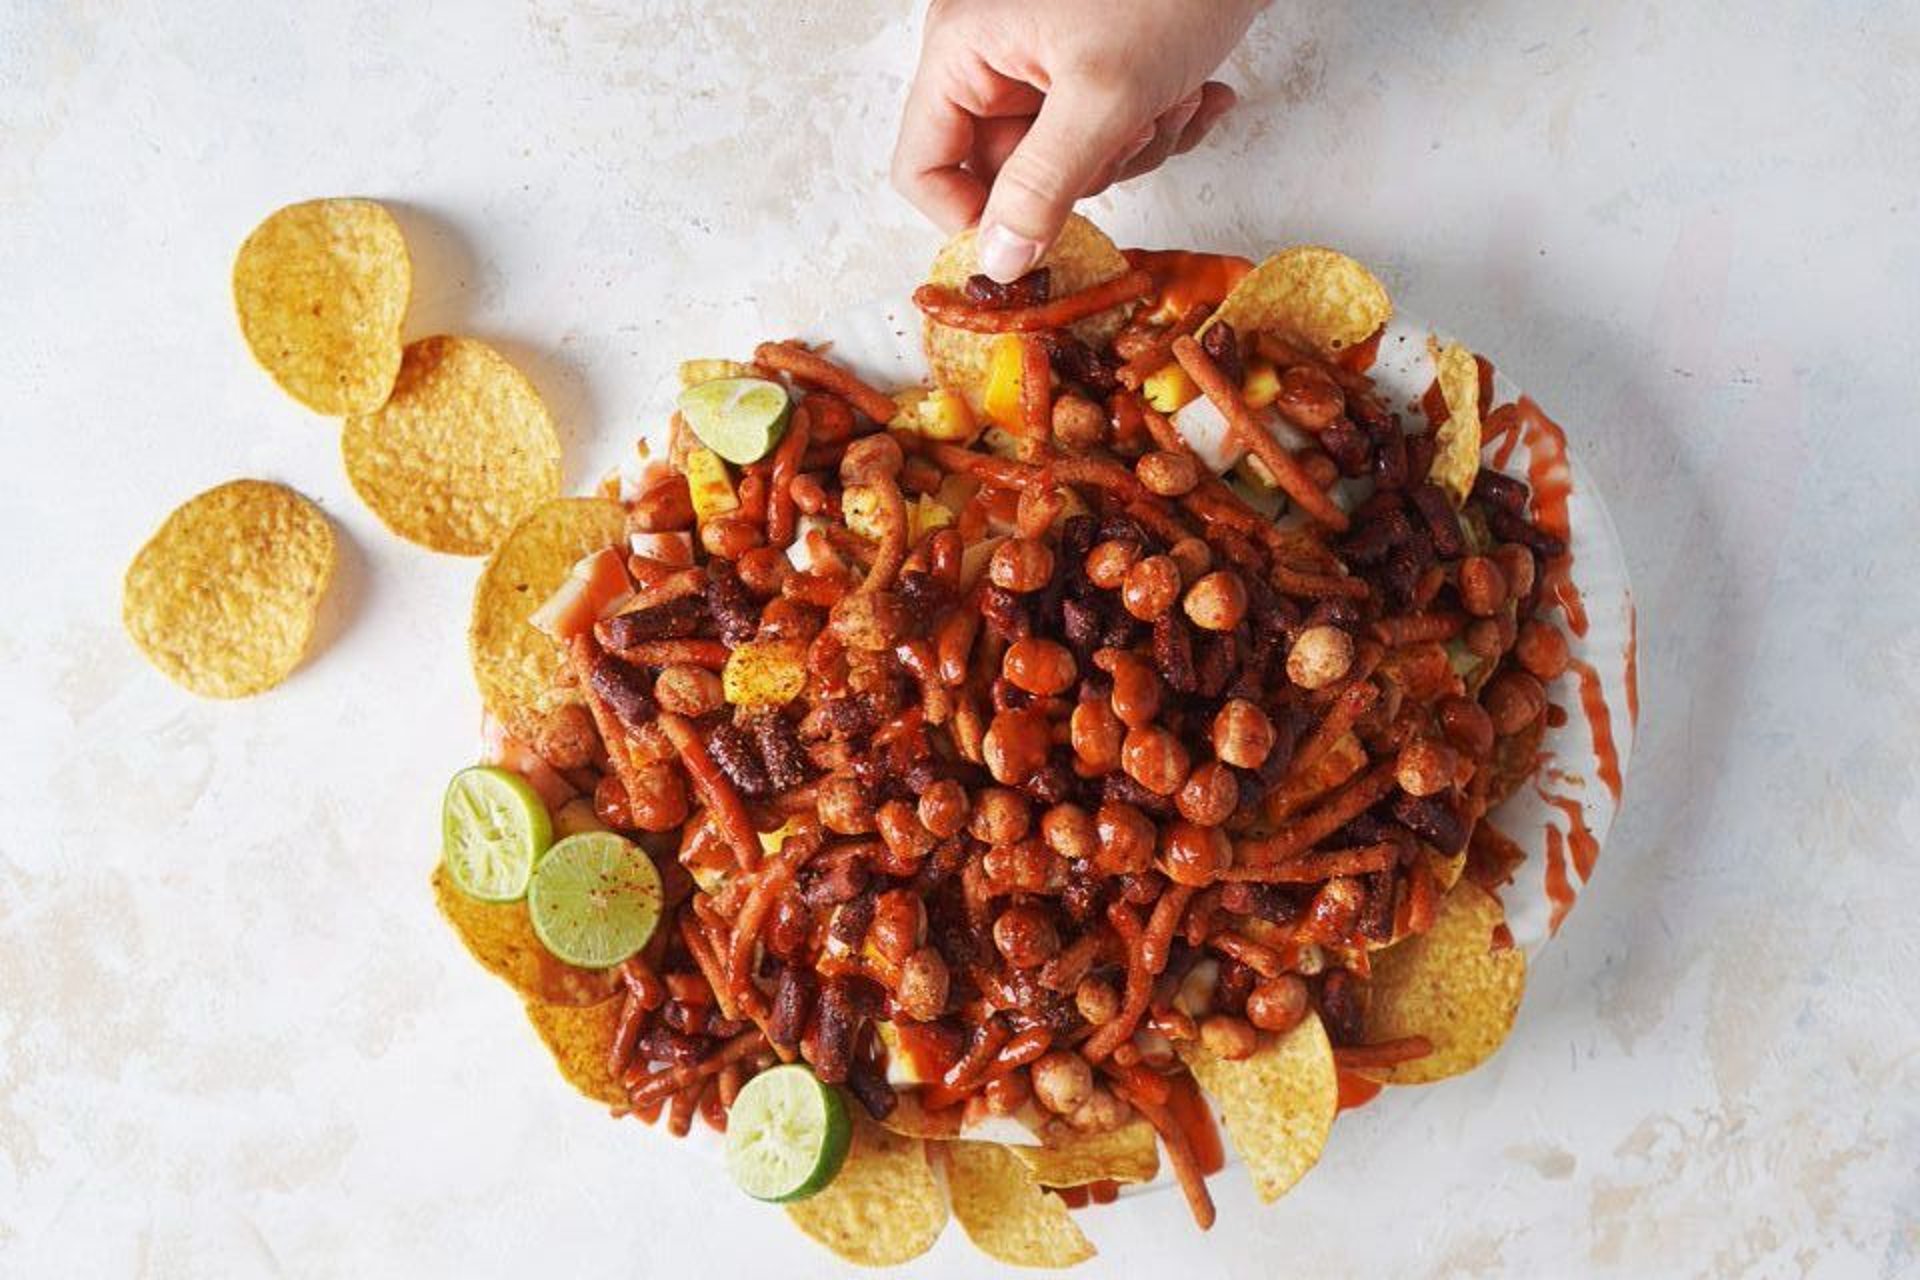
point(1074, 140)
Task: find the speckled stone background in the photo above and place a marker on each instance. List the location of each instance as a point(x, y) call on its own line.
point(236, 1041)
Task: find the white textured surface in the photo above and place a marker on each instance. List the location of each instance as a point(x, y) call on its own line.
point(234, 1038)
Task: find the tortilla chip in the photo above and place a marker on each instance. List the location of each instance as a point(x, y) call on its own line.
point(1456, 453)
point(500, 936)
point(1278, 1105)
point(579, 1036)
point(321, 289)
point(1309, 294)
point(1130, 1153)
point(1006, 1214)
point(884, 1208)
point(224, 596)
point(516, 666)
point(1455, 985)
point(462, 449)
point(1081, 258)
point(911, 1119)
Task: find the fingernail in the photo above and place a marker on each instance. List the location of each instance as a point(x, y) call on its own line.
point(1006, 255)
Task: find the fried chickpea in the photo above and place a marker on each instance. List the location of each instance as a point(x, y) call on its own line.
point(905, 838)
point(1320, 655)
point(1483, 639)
point(1070, 832)
point(687, 690)
point(870, 620)
point(1320, 469)
point(897, 920)
point(1006, 1094)
point(1467, 726)
point(1483, 588)
point(1020, 564)
point(1542, 649)
point(1078, 423)
point(1209, 796)
point(1150, 587)
point(763, 569)
point(1166, 473)
point(1024, 935)
point(566, 738)
point(1039, 666)
point(921, 991)
point(662, 802)
point(1154, 758)
point(1191, 854)
point(1015, 746)
point(1096, 731)
point(1425, 767)
point(1277, 1004)
point(1126, 839)
point(610, 803)
point(1024, 866)
point(729, 538)
point(808, 494)
point(1108, 562)
point(1000, 816)
point(1102, 1112)
point(1513, 700)
point(871, 457)
point(1193, 557)
point(1218, 601)
point(1096, 1000)
point(784, 619)
point(1062, 1081)
point(1136, 688)
point(1517, 567)
point(843, 806)
point(1309, 399)
point(943, 808)
point(1243, 735)
point(1225, 1036)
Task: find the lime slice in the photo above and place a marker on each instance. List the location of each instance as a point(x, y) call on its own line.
point(595, 899)
point(787, 1134)
point(493, 828)
point(738, 418)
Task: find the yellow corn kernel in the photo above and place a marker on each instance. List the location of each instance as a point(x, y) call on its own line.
point(1001, 400)
point(860, 509)
point(708, 484)
point(1261, 387)
point(945, 416)
point(925, 516)
point(1169, 389)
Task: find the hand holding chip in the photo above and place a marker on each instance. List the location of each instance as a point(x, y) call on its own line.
point(1017, 110)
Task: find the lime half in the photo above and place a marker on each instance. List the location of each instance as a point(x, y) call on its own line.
point(595, 899)
point(738, 418)
point(493, 828)
point(786, 1134)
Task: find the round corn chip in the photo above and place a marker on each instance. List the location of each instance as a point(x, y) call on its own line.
point(1130, 1153)
point(1278, 1105)
point(1314, 295)
point(462, 449)
point(1454, 984)
point(883, 1208)
point(500, 936)
point(224, 596)
point(1081, 258)
point(579, 1036)
point(1456, 451)
point(517, 667)
point(321, 289)
point(1006, 1214)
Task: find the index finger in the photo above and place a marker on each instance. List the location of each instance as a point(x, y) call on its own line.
point(936, 139)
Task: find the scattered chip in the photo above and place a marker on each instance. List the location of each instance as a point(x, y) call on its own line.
point(1130, 1153)
point(1317, 296)
point(1456, 453)
point(578, 1036)
point(885, 1206)
point(462, 449)
point(695, 372)
point(500, 936)
point(765, 673)
point(321, 289)
point(1081, 258)
point(223, 598)
point(1456, 984)
point(516, 666)
point(1278, 1105)
point(913, 1120)
point(1006, 1214)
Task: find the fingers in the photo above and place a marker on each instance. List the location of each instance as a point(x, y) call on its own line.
point(1216, 100)
point(1167, 131)
point(936, 141)
point(1070, 148)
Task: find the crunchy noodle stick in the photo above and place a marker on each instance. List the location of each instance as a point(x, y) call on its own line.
point(1000, 472)
point(620, 1052)
point(1036, 397)
point(1134, 373)
point(782, 514)
point(988, 1039)
point(1419, 628)
point(1316, 825)
point(1384, 1053)
point(581, 652)
point(711, 654)
point(1310, 868)
point(1255, 438)
point(1259, 957)
point(891, 551)
point(709, 965)
point(771, 882)
point(661, 1083)
point(641, 979)
point(805, 366)
point(1139, 989)
point(1157, 941)
point(729, 811)
point(947, 307)
point(1186, 1169)
point(1346, 709)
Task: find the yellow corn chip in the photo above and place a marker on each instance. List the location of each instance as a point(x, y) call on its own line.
point(912, 1120)
point(1317, 296)
point(579, 1036)
point(1130, 1153)
point(500, 936)
point(1006, 1214)
point(321, 289)
point(462, 449)
point(1278, 1105)
point(516, 666)
point(1456, 453)
point(223, 598)
point(1455, 984)
point(884, 1208)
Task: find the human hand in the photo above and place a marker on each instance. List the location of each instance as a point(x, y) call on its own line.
point(1021, 107)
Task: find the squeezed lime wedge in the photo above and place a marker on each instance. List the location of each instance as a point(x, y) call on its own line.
point(740, 419)
point(493, 828)
point(787, 1134)
point(594, 899)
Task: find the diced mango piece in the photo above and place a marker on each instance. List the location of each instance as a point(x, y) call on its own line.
point(765, 673)
point(945, 416)
point(1170, 389)
point(709, 484)
point(1001, 399)
point(1261, 386)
